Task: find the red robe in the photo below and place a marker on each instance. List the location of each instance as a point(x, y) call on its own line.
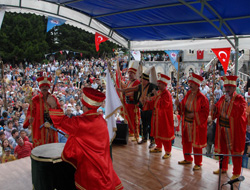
point(201, 112)
point(237, 121)
point(42, 135)
point(162, 123)
point(133, 111)
point(88, 150)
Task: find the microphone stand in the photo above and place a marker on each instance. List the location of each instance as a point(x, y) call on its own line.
point(221, 160)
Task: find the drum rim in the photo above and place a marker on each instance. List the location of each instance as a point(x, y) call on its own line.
point(40, 159)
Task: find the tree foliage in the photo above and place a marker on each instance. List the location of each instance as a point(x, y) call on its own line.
point(23, 37)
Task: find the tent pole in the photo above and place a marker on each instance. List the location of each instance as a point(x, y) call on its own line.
point(129, 50)
point(236, 55)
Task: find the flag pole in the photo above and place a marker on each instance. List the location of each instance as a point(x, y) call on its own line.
point(4, 89)
point(178, 79)
point(213, 88)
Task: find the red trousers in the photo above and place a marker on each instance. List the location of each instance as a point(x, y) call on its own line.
point(187, 148)
point(237, 160)
point(134, 119)
point(167, 145)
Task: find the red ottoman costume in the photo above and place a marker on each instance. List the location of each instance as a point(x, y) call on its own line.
point(88, 147)
point(132, 113)
point(162, 124)
point(194, 131)
point(39, 109)
point(231, 123)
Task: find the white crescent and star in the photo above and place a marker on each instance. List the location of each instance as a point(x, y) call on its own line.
point(222, 52)
point(100, 38)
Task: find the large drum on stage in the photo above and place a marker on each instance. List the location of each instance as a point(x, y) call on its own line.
point(49, 172)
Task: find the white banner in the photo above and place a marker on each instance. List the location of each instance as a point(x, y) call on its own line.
point(2, 12)
point(113, 103)
point(136, 55)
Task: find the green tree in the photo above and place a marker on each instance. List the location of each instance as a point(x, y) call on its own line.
point(23, 37)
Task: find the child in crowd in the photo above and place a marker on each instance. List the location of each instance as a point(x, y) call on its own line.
point(2, 136)
point(5, 144)
point(9, 129)
point(23, 134)
point(12, 140)
point(177, 129)
point(17, 124)
point(7, 157)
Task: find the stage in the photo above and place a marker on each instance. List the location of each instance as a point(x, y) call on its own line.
point(138, 170)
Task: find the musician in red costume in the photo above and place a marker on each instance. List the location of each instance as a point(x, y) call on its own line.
point(162, 127)
point(132, 112)
point(88, 147)
point(38, 115)
point(230, 135)
point(194, 109)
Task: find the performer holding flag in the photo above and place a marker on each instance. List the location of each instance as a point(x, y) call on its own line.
point(132, 112)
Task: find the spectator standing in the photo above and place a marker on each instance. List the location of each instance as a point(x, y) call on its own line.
point(247, 94)
point(211, 126)
point(218, 93)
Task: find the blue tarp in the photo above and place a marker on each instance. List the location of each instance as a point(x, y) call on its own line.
point(139, 20)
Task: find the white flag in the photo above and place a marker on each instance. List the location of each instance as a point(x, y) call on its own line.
point(136, 55)
point(113, 103)
point(2, 12)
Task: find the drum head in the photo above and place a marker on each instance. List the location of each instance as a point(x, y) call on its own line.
point(52, 150)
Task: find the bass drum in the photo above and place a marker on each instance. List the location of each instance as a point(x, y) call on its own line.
point(49, 172)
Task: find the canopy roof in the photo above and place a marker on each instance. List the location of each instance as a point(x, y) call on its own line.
point(133, 23)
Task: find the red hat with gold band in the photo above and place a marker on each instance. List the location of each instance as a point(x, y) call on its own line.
point(229, 80)
point(44, 81)
point(133, 66)
point(163, 79)
point(196, 79)
point(92, 98)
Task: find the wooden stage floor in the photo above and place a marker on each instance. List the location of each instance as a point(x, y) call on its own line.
point(138, 170)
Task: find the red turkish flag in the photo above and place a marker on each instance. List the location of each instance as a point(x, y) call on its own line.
point(99, 39)
point(61, 52)
point(81, 54)
point(223, 54)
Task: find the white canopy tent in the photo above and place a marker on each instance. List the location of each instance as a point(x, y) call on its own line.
point(151, 25)
point(244, 43)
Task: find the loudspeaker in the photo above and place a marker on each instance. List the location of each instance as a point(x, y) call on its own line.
point(121, 134)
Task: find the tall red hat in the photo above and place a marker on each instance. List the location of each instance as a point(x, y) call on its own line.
point(196, 79)
point(163, 79)
point(92, 98)
point(44, 81)
point(229, 80)
point(133, 66)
